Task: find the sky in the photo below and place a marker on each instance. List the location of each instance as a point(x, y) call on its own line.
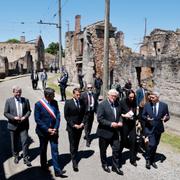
point(21, 17)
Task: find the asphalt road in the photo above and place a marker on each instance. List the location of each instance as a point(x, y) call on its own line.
point(89, 164)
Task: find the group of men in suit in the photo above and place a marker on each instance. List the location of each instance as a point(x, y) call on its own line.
point(79, 114)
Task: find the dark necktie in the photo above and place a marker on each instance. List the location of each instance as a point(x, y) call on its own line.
point(77, 103)
point(90, 99)
point(154, 110)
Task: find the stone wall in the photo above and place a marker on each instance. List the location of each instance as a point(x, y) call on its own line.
point(15, 52)
point(161, 42)
point(3, 67)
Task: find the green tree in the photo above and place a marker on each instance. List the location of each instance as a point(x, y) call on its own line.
point(13, 41)
point(53, 48)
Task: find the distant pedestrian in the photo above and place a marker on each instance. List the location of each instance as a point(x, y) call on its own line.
point(127, 87)
point(34, 79)
point(80, 79)
point(47, 117)
point(116, 85)
point(97, 84)
point(44, 78)
point(63, 84)
point(17, 110)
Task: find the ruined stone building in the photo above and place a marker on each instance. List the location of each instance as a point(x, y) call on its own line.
point(85, 49)
point(157, 64)
point(21, 57)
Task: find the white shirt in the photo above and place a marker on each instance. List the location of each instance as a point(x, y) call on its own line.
point(19, 107)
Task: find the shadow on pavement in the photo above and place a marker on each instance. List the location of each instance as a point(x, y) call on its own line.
point(5, 147)
point(32, 174)
point(64, 159)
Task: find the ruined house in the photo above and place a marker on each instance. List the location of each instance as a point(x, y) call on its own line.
point(22, 57)
point(85, 50)
point(158, 63)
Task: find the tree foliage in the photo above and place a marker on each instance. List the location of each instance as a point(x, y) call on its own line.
point(13, 41)
point(53, 48)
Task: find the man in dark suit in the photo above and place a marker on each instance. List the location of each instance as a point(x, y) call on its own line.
point(109, 118)
point(97, 84)
point(90, 104)
point(155, 113)
point(47, 117)
point(63, 84)
point(74, 115)
point(34, 79)
point(17, 111)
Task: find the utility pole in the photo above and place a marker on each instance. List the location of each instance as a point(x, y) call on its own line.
point(145, 26)
point(60, 44)
point(106, 49)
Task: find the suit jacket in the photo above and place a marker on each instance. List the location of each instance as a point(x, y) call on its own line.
point(84, 98)
point(10, 112)
point(155, 125)
point(105, 117)
point(139, 96)
point(73, 114)
point(44, 120)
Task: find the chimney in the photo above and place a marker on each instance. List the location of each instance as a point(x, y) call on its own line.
point(22, 39)
point(77, 24)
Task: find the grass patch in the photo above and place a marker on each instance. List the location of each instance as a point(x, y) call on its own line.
point(171, 139)
point(52, 83)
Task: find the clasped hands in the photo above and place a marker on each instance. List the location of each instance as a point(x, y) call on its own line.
point(80, 126)
point(116, 124)
point(19, 119)
point(52, 131)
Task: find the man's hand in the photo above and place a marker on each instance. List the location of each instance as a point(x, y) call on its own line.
point(115, 124)
point(165, 118)
point(120, 124)
point(79, 126)
point(52, 131)
point(22, 118)
point(18, 119)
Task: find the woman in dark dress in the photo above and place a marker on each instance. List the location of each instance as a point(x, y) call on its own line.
point(128, 109)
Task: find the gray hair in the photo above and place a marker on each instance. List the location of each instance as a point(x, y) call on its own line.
point(156, 92)
point(16, 88)
point(113, 92)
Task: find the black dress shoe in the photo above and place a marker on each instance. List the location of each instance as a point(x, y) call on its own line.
point(106, 168)
point(61, 174)
point(45, 168)
point(154, 165)
point(133, 163)
point(27, 162)
point(75, 169)
point(16, 159)
point(148, 164)
point(117, 170)
point(87, 144)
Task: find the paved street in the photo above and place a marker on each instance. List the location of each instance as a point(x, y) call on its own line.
point(89, 164)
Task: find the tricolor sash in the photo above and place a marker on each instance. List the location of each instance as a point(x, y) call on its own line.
point(48, 108)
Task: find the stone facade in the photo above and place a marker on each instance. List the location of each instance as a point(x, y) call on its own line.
point(157, 64)
point(161, 42)
point(85, 50)
point(21, 54)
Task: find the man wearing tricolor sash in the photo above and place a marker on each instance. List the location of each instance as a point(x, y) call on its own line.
point(47, 117)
